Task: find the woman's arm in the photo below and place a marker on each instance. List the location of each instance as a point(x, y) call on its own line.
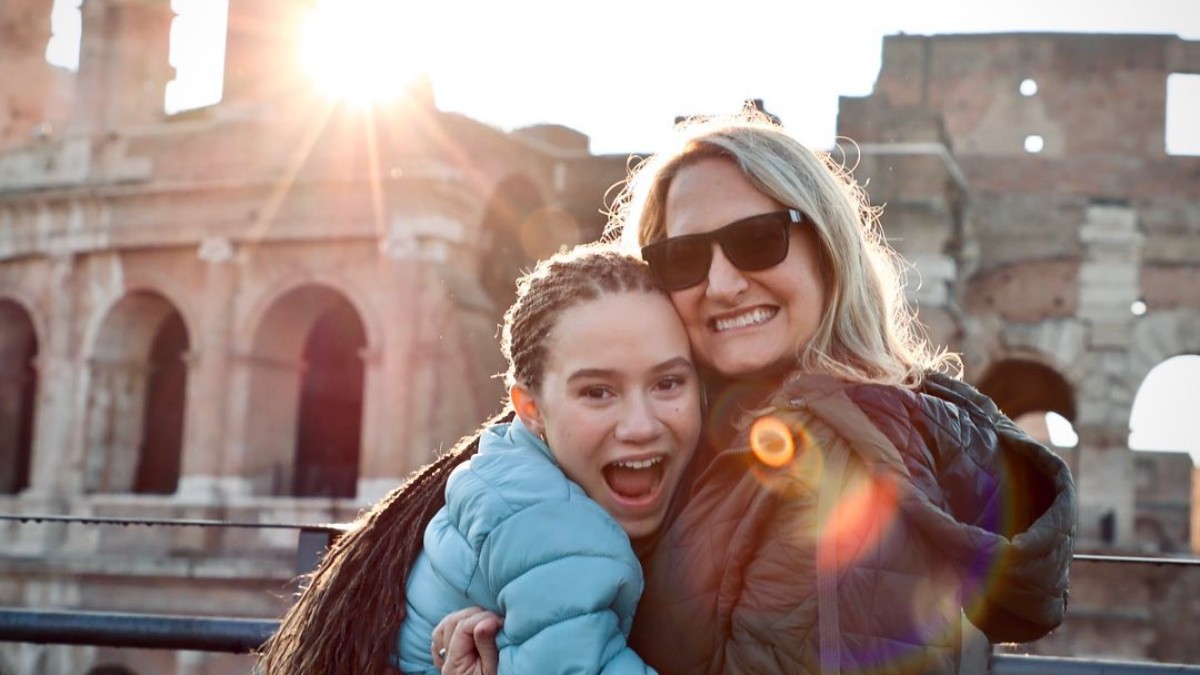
point(1034, 510)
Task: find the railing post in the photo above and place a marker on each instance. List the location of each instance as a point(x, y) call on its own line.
point(311, 547)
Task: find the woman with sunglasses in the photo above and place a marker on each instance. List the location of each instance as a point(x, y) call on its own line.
point(850, 502)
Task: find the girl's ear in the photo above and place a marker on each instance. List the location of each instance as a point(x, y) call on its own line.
point(527, 409)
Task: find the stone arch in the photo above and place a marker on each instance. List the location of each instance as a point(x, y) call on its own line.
point(1028, 391)
point(18, 394)
point(504, 253)
point(136, 397)
point(1151, 535)
point(1021, 386)
point(175, 291)
point(1161, 335)
point(306, 383)
point(250, 327)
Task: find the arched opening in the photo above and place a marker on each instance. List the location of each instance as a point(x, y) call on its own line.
point(330, 413)
point(1036, 397)
point(1151, 536)
point(18, 395)
point(1163, 416)
point(504, 252)
point(162, 429)
point(133, 432)
point(306, 396)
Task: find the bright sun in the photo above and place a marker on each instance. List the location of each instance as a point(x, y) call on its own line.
point(361, 51)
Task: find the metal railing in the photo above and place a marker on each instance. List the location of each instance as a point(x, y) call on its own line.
point(148, 631)
point(242, 636)
point(1012, 664)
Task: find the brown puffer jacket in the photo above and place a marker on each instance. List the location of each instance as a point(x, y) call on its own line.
point(899, 512)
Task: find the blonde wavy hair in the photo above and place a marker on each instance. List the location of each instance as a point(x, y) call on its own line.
point(868, 332)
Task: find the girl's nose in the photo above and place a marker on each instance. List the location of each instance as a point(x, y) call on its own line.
point(638, 423)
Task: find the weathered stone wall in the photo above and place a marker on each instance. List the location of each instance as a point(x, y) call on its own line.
point(1044, 253)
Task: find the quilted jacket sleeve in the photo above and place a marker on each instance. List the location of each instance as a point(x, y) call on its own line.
point(567, 584)
point(1031, 505)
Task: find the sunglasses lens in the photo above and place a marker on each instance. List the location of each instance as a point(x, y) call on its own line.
point(751, 244)
point(757, 244)
point(678, 263)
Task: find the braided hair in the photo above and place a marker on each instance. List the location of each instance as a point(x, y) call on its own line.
point(350, 608)
point(555, 285)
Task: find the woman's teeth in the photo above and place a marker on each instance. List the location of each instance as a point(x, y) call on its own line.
point(751, 318)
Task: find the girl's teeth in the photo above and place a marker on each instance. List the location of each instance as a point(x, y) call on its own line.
point(641, 464)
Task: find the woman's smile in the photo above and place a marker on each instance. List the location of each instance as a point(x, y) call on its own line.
point(755, 316)
point(742, 323)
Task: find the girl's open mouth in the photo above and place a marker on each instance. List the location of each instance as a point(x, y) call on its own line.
point(635, 482)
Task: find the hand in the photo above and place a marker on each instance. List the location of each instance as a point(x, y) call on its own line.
point(469, 638)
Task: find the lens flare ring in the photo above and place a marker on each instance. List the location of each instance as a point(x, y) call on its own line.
point(771, 442)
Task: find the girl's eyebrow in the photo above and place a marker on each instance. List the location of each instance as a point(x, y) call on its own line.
point(601, 373)
point(591, 373)
point(672, 364)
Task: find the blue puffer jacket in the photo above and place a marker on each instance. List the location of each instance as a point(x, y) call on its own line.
point(519, 538)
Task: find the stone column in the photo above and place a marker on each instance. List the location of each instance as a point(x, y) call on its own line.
point(925, 220)
point(203, 476)
point(374, 479)
point(389, 439)
point(1108, 286)
point(261, 46)
point(32, 92)
point(54, 472)
point(123, 63)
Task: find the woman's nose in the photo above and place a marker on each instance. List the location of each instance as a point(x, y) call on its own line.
point(725, 281)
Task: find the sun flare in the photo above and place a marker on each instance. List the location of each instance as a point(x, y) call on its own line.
point(361, 51)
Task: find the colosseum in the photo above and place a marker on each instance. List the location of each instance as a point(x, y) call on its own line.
point(270, 310)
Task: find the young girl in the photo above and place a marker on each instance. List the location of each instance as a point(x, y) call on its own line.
point(537, 525)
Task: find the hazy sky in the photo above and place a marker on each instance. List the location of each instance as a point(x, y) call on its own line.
point(621, 70)
point(651, 60)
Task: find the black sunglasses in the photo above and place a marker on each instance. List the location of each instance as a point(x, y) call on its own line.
point(751, 244)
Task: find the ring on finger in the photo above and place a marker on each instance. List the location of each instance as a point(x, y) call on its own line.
point(442, 653)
